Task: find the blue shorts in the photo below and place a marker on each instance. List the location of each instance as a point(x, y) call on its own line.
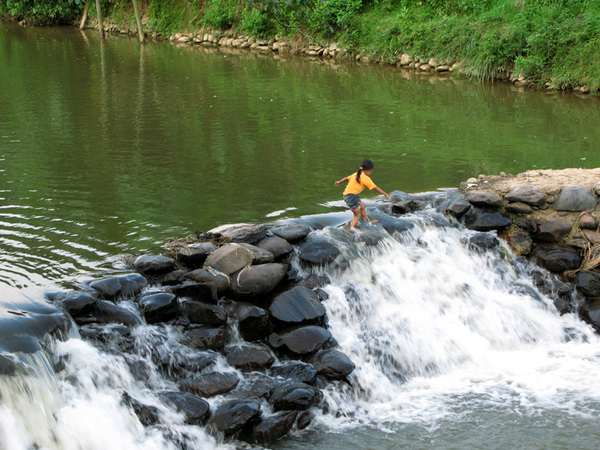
point(353, 201)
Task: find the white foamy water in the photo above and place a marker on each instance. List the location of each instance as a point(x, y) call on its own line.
point(439, 332)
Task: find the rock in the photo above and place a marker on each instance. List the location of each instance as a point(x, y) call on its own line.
point(257, 280)
point(253, 322)
point(597, 189)
point(78, 303)
point(204, 337)
point(294, 395)
point(148, 415)
point(393, 225)
point(160, 307)
point(587, 222)
point(233, 415)
point(296, 370)
point(590, 313)
point(588, 283)
point(195, 410)
point(520, 241)
point(528, 194)
point(171, 278)
point(479, 221)
point(484, 199)
point(575, 198)
point(243, 232)
point(107, 312)
point(483, 241)
point(195, 255)
point(210, 276)
point(255, 385)
point(272, 428)
point(402, 203)
point(458, 207)
point(296, 306)
point(250, 357)
point(332, 364)
point(592, 236)
point(259, 255)
point(557, 258)
point(519, 208)
point(195, 363)
point(107, 287)
point(204, 292)
point(304, 420)
point(204, 313)
point(303, 340)
point(553, 231)
point(229, 259)
point(292, 233)
point(318, 252)
point(211, 384)
point(279, 247)
point(153, 264)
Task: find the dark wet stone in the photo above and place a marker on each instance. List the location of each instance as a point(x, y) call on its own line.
point(458, 207)
point(132, 284)
point(575, 198)
point(259, 255)
point(257, 280)
point(160, 307)
point(229, 259)
point(402, 203)
point(153, 264)
point(198, 361)
point(139, 367)
point(78, 303)
point(553, 231)
point(107, 287)
point(113, 335)
point(204, 313)
point(107, 312)
point(211, 384)
point(333, 364)
point(253, 322)
point(483, 242)
point(206, 337)
point(210, 276)
point(294, 395)
point(292, 233)
point(204, 292)
point(393, 224)
point(530, 195)
point(256, 385)
point(279, 247)
point(170, 278)
point(485, 221)
point(248, 358)
point(233, 415)
point(484, 199)
point(304, 419)
point(148, 415)
point(519, 208)
point(272, 428)
point(296, 306)
point(250, 234)
point(304, 340)
point(194, 409)
point(195, 255)
point(315, 281)
point(588, 283)
point(318, 252)
point(590, 313)
point(296, 370)
point(557, 258)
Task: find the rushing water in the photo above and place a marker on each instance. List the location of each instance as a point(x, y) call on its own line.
point(107, 147)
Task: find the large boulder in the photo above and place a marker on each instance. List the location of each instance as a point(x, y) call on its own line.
point(107, 312)
point(257, 280)
point(229, 259)
point(194, 409)
point(294, 395)
point(153, 264)
point(233, 415)
point(482, 242)
point(485, 221)
point(332, 364)
point(204, 313)
point(107, 287)
point(484, 199)
point(528, 194)
point(402, 203)
point(292, 233)
point(249, 357)
point(301, 341)
point(557, 258)
point(277, 246)
point(318, 252)
point(159, 307)
point(211, 384)
point(588, 283)
point(575, 198)
point(253, 322)
point(259, 255)
point(210, 276)
point(552, 231)
point(78, 303)
point(296, 306)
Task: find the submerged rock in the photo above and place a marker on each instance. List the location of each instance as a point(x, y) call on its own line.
point(195, 410)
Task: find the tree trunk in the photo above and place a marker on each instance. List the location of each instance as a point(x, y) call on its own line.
point(100, 23)
point(138, 19)
point(84, 17)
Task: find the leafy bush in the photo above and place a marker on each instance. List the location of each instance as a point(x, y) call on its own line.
point(218, 14)
point(167, 16)
point(43, 11)
point(257, 22)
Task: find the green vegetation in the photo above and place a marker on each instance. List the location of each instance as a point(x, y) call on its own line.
point(543, 40)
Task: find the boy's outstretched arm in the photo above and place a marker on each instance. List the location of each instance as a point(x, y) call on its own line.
point(343, 180)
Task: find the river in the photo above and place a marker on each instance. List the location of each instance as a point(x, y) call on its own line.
point(110, 148)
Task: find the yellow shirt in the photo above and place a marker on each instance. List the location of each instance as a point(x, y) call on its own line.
point(355, 187)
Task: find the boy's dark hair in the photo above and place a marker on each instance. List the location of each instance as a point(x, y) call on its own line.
point(366, 164)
